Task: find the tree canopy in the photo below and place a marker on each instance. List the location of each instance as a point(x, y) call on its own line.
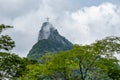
point(83, 62)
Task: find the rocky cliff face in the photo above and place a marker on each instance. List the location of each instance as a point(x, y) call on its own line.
point(49, 40)
point(45, 31)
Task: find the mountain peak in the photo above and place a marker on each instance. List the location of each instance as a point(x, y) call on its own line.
point(45, 31)
point(49, 40)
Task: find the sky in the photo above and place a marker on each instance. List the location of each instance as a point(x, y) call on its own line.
point(80, 21)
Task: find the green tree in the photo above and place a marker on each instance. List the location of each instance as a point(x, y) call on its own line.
point(61, 65)
point(110, 67)
point(54, 67)
point(88, 61)
point(88, 56)
point(84, 62)
point(34, 72)
point(6, 43)
point(12, 66)
point(9, 65)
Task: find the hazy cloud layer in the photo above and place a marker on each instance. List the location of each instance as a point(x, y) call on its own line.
point(14, 8)
point(81, 25)
point(91, 23)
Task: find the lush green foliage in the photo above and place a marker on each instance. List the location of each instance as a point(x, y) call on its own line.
point(83, 62)
point(12, 66)
point(88, 62)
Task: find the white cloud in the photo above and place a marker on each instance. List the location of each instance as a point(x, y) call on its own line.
point(14, 8)
point(90, 23)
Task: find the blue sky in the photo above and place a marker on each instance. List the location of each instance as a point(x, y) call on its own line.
point(80, 21)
